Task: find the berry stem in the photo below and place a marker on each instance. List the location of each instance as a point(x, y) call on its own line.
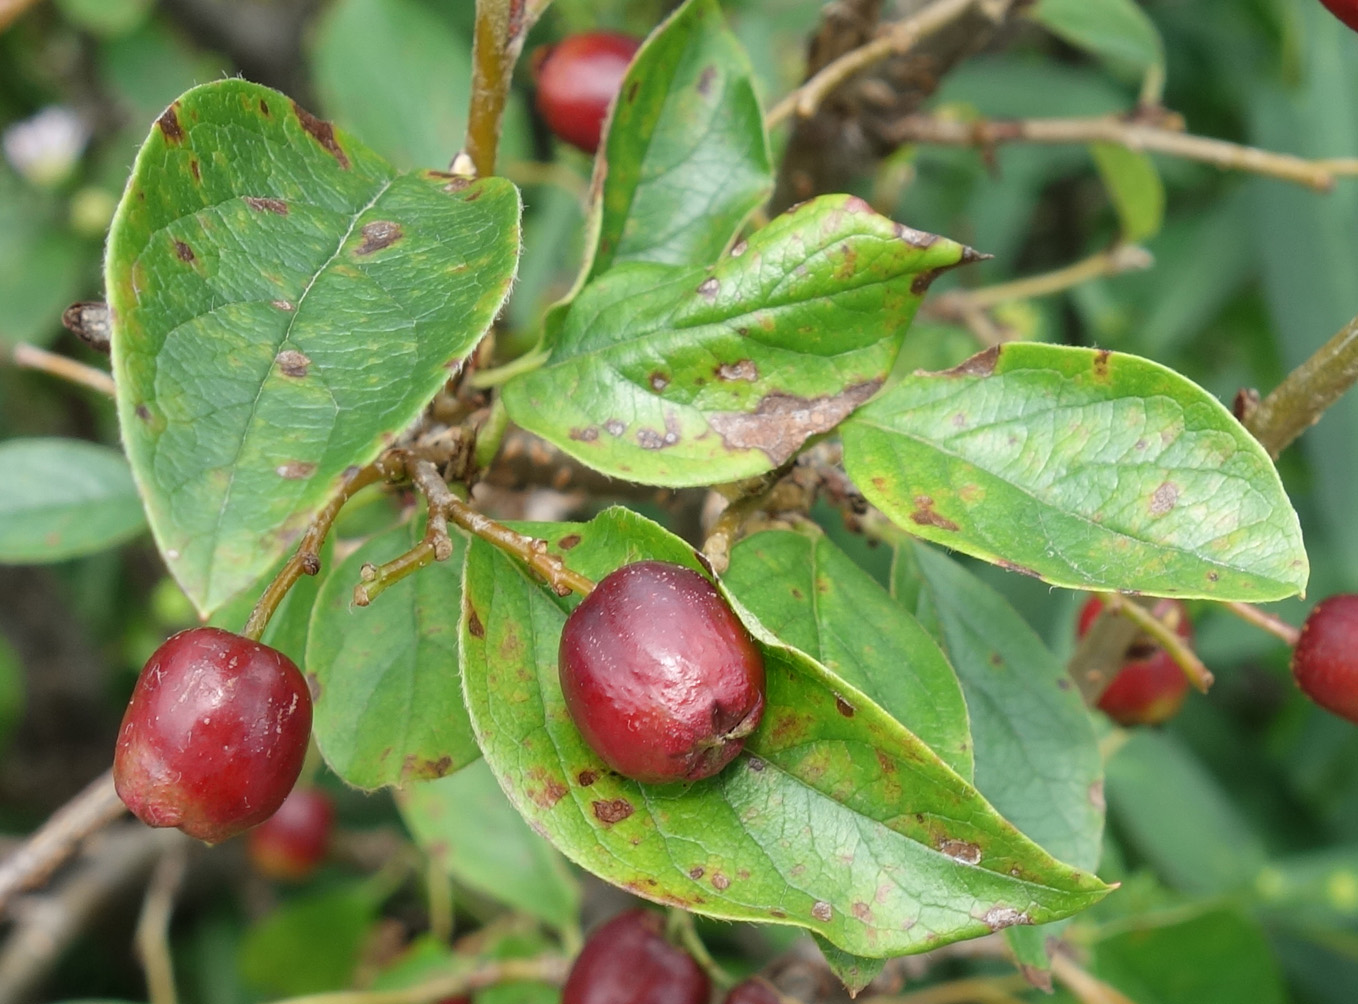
point(1165, 636)
point(153, 926)
point(306, 559)
point(501, 26)
point(1266, 621)
point(680, 926)
point(530, 551)
point(33, 358)
point(540, 969)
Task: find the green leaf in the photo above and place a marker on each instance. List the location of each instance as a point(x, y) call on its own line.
point(385, 677)
point(284, 303)
point(11, 691)
point(813, 597)
point(854, 971)
point(42, 264)
point(465, 824)
point(688, 376)
point(1117, 31)
point(1092, 470)
point(1135, 187)
point(1037, 757)
point(686, 159)
point(309, 944)
point(836, 818)
point(61, 498)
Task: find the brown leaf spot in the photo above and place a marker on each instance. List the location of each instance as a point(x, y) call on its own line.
point(168, 123)
point(283, 304)
point(961, 850)
point(697, 872)
point(924, 515)
point(474, 626)
point(1101, 365)
point(745, 369)
point(887, 764)
point(143, 412)
point(915, 238)
point(322, 132)
point(739, 248)
point(551, 792)
point(1212, 577)
point(263, 107)
point(980, 365)
point(778, 914)
point(416, 768)
point(720, 882)
point(292, 363)
point(295, 470)
point(659, 381)
point(1096, 798)
point(844, 707)
point(755, 764)
point(709, 286)
point(377, 235)
point(705, 79)
point(184, 252)
point(612, 812)
point(999, 917)
point(473, 195)
point(195, 170)
point(822, 910)
point(1011, 566)
point(615, 427)
point(587, 777)
point(862, 911)
point(260, 205)
point(653, 439)
point(1164, 498)
point(783, 422)
point(586, 435)
point(568, 541)
point(313, 684)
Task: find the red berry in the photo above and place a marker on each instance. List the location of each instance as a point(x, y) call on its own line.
point(1345, 10)
point(1151, 687)
point(214, 736)
point(1325, 660)
point(753, 991)
point(659, 675)
point(294, 840)
point(628, 961)
point(577, 79)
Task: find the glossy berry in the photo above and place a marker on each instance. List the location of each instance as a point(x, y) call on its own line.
point(214, 736)
point(659, 675)
point(294, 840)
point(1345, 10)
point(1325, 661)
point(1150, 687)
point(753, 991)
point(577, 80)
point(628, 961)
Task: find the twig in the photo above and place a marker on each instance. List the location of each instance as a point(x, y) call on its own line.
point(1087, 988)
point(1116, 260)
point(57, 839)
point(895, 39)
point(1130, 133)
point(727, 528)
point(501, 26)
point(33, 358)
point(532, 553)
point(153, 926)
point(542, 969)
point(1165, 636)
point(1297, 403)
point(971, 990)
point(306, 559)
point(1274, 625)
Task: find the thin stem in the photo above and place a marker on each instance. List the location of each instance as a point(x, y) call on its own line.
point(31, 357)
point(542, 969)
point(1130, 133)
point(57, 839)
point(1114, 261)
point(1165, 636)
point(1297, 403)
point(1087, 988)
point(531, 552)
point(440, 900)
point(894, 40)
point(525, 363)
point(1274, 625)
point(496, 42)
point(306, 559)
point(377, 579)
point(153, 926)
point(682, 927)
point(491, 434)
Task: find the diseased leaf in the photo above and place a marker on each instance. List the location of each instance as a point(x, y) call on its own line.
point(62, 498)
point(686, 159)
point(836, 818)
point(388, 698)
point(813, 597)
point(686, 376)
point(283, 303)
point(854, 971)
point(1084, 468)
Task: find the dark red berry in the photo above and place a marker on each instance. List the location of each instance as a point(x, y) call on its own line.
point(628, 961)
point(294, 840)
point(214, 736)
point(753, 991)
point(659, 675)
point(1325, 660)
point(1150, 687)
point(1345, 10)
point(577, 79)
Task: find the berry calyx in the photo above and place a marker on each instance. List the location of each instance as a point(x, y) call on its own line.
point(214, 736)
point(1345, 10)
point(753, 991)
point(1151, 687)
point(577, 79)
point(659, 675)
point(295, 839)
point(1325, 659)
point(628, 961)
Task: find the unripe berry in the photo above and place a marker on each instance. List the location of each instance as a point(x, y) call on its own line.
point(1325, 660)
point(577, 79)
point(628, 961)
point(1150, 687)
point(659, 675)
point(295, 839)
point(214, 736)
